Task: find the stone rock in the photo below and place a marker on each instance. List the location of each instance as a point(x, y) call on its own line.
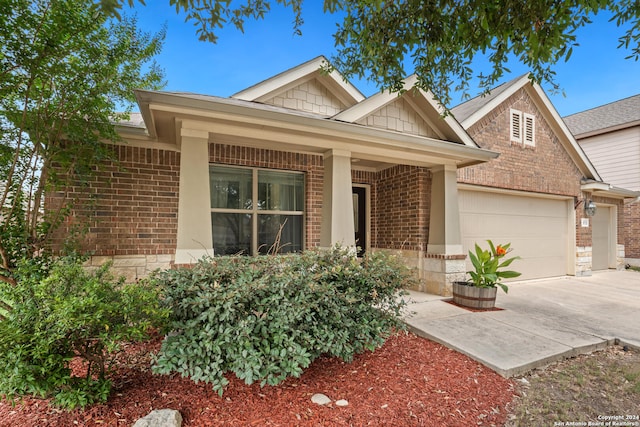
point(320, 399)
point(161, 418)
point(342, 402)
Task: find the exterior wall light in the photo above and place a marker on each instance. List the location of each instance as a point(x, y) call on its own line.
point(590, 208)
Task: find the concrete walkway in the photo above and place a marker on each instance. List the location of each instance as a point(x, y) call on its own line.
point(542, 320)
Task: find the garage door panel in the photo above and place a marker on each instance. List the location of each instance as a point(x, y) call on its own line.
point(537, 229)
point(495, 225)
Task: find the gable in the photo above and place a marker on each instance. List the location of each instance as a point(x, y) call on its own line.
point(545, 167)
point(414, 112)
point(310, 96)
point(280, 84)
point(400, 116)
point(475, 113)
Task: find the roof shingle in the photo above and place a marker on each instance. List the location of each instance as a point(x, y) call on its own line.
point(605, 116)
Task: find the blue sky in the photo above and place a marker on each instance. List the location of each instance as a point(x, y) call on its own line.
point(596, 74)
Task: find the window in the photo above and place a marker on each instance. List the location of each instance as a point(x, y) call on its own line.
point(522, 128)
point(251, 207)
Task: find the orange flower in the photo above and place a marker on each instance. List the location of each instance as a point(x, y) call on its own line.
point(500, 251)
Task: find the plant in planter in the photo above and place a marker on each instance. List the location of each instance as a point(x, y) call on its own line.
point(480, 291)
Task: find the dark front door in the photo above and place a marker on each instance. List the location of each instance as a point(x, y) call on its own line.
point(360, 218)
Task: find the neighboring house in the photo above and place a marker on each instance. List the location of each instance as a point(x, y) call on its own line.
point(610, 135)
point(305, 159)
point(534, 194)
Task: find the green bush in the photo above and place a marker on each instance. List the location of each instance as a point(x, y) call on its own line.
point(60, 311)
point(267, 318)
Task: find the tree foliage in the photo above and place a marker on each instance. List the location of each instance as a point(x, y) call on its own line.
point(438, 39)
point(65, 67)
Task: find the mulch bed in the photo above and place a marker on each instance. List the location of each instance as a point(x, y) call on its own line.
point(410, 381)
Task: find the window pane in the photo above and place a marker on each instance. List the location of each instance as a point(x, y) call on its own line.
point(230, 187)
point(280, 191)
point(290, 239)
point(231, 233)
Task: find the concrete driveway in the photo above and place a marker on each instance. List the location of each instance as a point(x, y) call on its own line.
point(542, 320)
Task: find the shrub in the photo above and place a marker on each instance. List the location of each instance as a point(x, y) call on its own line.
point(267, 318)
point(61, 311)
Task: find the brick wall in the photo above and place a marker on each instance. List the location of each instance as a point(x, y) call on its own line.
point(632, 232)
point(128, 208)
point(402, 208)
point(312, 165)
point(545, 168)
point(131, 208)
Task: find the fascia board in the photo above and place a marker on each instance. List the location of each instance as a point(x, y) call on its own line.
point(143, 98)
point(608, 190)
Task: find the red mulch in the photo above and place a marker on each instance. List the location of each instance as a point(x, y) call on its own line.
point(410, 381)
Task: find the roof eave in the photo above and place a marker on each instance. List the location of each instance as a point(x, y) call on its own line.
point(610, 129)
point(460, 154)
point(608, 190)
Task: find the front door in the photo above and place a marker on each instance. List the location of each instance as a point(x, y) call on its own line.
point(360, 218)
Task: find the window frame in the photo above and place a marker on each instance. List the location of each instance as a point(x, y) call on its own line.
point(255, 210)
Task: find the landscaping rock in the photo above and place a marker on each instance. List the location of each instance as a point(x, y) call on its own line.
point(320, 399)
point(161, 418)
point(342, 402)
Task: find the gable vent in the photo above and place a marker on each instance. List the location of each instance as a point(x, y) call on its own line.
point(529, 130)
point(516, 126)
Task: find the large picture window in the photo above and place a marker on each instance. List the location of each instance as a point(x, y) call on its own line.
point(250, 208)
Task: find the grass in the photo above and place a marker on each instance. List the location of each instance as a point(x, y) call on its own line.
point(579, 389)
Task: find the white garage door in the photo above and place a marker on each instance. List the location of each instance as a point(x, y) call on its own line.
point(538, 229)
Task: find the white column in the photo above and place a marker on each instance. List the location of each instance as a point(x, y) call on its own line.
point(194, 206)
point(337, 201)
point(444, 225)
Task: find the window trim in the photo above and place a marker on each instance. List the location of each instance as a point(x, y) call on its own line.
point(255, 211)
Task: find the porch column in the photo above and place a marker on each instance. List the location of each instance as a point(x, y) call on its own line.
point(444, 262)
point(444, 223)
point(337, 201)
point(194, 205)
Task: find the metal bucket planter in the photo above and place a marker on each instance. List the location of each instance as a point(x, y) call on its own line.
point(470, 296)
